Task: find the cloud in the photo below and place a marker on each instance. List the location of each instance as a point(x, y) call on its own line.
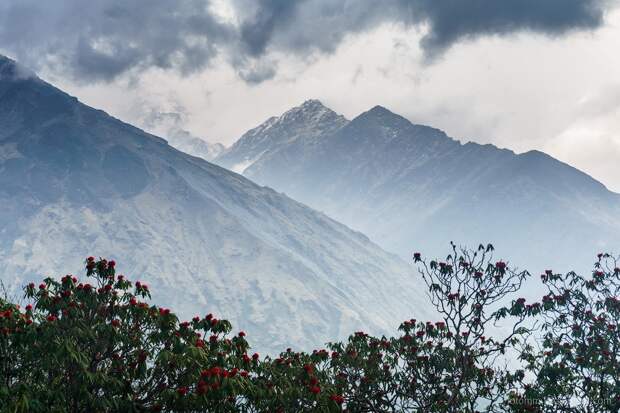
point(257, 74)
point(321, 25)
point(256, 31)
point(12, 70)
point(108, 38)
point(111, 38)
point(453, 20)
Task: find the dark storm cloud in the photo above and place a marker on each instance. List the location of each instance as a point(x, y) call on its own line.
point(322, 24)
point(256, 32)
point(102, 39)
point(453, 20)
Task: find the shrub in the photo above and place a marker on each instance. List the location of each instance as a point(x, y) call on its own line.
point(98, 346)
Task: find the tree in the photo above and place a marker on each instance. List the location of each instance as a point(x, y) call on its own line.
point(446, 366)
point(98, 346)
point(575, 363)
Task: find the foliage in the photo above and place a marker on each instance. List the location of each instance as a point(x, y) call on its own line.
point(576, 364)
point(98, 346)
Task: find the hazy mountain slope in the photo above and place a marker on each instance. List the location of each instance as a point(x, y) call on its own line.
point(76, 182)
point(412, 187)
point(186, 142)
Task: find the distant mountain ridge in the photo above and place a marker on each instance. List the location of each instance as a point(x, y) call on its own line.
point(76, 182)
point(193, 145)
point(411, 186)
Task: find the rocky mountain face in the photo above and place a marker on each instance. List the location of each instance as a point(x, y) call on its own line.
point(301, 125)
point(76, 182)
point(412, 187)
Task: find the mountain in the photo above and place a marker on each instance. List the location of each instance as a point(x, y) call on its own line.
point(76, 182)
point(302, 124)
point(186, 142)
point(411, 187)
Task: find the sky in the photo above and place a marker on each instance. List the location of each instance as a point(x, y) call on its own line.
point(520, 74)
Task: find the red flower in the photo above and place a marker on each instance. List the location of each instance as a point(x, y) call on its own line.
point(255, 356)
point(337, 398)
point(202, 387)
point(241, 334)
point(112, 264)
point(196, 319)
point(182, 391)
point(116, 323)
point(51, 318)
point(315, 389)
point(28, 307)
point(42, 286)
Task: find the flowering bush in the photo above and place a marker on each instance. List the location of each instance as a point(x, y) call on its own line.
point(97, 346)
point(576, 361)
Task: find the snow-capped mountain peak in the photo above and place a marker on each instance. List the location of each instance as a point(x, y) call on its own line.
point(311, 110)
point(302, 123)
